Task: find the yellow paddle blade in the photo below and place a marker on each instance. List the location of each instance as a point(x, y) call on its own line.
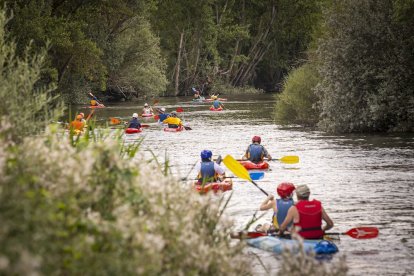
point(236, 168)
point(292, 159)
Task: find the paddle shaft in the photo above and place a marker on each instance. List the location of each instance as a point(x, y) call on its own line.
point(255, 184)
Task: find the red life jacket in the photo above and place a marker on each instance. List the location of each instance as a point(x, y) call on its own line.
point(310, 219)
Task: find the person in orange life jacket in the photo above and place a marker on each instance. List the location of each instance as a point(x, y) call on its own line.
point(147, 109)
point(208, 171)
point(256, 152)
point(77, 124)
point(280, 207)
point(134, 123)
point(173, 121)
point(307, 216)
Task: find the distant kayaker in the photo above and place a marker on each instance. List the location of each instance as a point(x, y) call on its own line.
point(147, 109)
point(173, 121)
point(94, 103)
point(217, 104)
point(134, 122)
point(162, 114)
point(208, 171)
point(256, 152)
point(77, 124)
point(280, 207)
point(307, 216)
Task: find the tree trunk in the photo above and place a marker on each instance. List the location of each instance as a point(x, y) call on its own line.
point(178, 66)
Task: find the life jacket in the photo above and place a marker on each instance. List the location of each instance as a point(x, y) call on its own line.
point(94, 103)
point(255, 153)
point(147, 110)
point(310, 219)
point(77, 125)
point(282, 206)
point(207, 172)
point(173, 121)
point(134, 123)
point(216, 104)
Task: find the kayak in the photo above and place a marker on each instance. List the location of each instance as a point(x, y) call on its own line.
point(216, 187)
point(132, 130)
point(249, 165)
point(278, 245)
point(216, 109)
point(97, 106)
point(168, 129)
point(147, 114)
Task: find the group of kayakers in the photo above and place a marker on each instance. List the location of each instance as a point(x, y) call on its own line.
point(304, 217)
point(171, 119)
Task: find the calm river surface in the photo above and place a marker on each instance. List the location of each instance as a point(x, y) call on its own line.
point(360, 179)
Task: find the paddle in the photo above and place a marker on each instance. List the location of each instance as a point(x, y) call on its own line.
point(236, 168)
point(289, 159)
point(116, 121)
point(179, 109)
point(360, 233)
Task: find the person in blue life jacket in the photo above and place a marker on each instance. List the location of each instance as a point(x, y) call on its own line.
point(162, 114)
point(280, 207)
point(216, 103)
point(134, 123)
point(208, 171)
point(256, 152)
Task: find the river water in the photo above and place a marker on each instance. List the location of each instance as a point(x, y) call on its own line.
point(362, 180)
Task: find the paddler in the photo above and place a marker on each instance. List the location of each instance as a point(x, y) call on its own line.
point(208, 171)
point(147, 109)
point(162, 114)
point(307, 216)
point(77, 124)
point(173, 121)
point(256, 152)
point(134, 122)
point(83, 117)
point(280, 207)
point(216, 103)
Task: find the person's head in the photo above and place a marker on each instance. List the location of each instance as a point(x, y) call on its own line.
point(163, 109)
point(214, 97)
point(173, 114)
point(135, 115)
point(145, 105)
point(206, 155)
point(285, 190)
point(82, 114)
point(79, 117)
point(256, 139)
point(302, 192)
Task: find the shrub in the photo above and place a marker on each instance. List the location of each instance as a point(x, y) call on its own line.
point(296, 103)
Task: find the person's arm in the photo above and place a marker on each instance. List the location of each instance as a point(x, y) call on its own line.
point(289, 218)
point(219, 169)
point(327, 219)
point(266, 154)
point(267, 203)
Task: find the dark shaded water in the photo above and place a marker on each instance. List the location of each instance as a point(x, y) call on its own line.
point(361, 179)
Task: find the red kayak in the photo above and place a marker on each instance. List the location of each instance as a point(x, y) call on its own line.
point(216, 109)
point(168, 129)
point(132, 130)
point(249, 165)
point(216, 187)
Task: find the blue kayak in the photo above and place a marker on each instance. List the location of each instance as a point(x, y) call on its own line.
point(278, 245)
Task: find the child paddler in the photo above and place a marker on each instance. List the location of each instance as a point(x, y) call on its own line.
point(307, 216)
point(280, 207)
point(208, 171)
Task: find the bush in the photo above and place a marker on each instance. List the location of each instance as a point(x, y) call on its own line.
point(86, 210)
point(296, 103)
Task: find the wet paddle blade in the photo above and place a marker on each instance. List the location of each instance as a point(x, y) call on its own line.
point(236, 168)
point(256, 175)
point(180, 109)
point(363, 232)
point(292, 159)
point(156, 117)
point(115, 121)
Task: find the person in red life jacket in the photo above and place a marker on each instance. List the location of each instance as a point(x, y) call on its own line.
point(280, 207)
point(307, 216)
point(256, 152)
point(208, 171)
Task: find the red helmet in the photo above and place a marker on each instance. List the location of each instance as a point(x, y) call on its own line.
point(285, 189)
point(256, 139)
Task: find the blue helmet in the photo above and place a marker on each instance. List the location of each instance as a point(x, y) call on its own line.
point(206, 154)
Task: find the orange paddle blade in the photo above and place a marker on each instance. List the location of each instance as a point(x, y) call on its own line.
point(115, 121)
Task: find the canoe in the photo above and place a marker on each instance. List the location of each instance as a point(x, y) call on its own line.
point(173, 129)
point(211, 100)
point(147, 115)
point(249, 165)
point(278, 245)
point(216, 187)
point(216, 109)
point(132, 130)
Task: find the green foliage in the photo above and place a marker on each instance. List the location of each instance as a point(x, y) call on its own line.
point(366, 67)
point(28, 105)
point(296, 104)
